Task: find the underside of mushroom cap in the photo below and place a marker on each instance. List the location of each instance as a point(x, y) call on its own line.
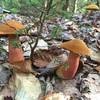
point(77, 46)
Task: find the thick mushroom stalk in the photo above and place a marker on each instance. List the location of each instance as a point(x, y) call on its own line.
point(73, 62)
point(15, 53)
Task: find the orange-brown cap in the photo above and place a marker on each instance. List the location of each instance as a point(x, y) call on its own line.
point(10, 27)
point(92, 6)
point(77, 46)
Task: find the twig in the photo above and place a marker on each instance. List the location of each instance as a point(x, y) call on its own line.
point(40, 27)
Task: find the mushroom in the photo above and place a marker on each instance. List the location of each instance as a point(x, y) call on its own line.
point(92, 6)
point(8, 29)
point(77, 48)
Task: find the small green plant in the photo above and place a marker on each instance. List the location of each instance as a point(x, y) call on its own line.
point(14, 10)
point(56, 31)
point(1, 16)
point(66, 65)
point(67, 15)
point(2, 49)
point(15, 44)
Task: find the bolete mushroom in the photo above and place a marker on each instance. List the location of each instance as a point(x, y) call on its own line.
point(77, 48)
point(8, 29)
point(92, 6)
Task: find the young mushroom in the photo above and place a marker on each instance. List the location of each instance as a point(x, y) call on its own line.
point(77, 48)
point(8, 29)
point(91, 8)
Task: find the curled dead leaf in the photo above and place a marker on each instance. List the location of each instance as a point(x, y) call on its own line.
point(42, 58)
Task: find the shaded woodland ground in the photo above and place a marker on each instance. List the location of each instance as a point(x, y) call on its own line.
point(50, 50)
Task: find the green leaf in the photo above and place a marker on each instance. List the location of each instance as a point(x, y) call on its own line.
point(67, 15)
point(55, 32)
point(15, 43)
point(2, 49)
point(1, 16)
point(35, 2)
point(14, 10)
point(66, 65)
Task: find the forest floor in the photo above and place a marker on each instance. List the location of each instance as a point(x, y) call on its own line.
point(41, 81)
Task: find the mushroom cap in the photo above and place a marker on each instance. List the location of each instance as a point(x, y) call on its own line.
point(92, 6)
point(77, 46)
point(10, 27)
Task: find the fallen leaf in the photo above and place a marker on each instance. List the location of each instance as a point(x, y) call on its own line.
point(95, 56)
point(97, 29)
point(98, 68)
point(41, 58)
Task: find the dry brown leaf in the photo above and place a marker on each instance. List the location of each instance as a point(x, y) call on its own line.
point(98, 68)
point(40, 63)
point(97, 29)
point(43, 57)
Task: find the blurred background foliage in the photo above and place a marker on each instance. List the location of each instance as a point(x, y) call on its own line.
point(64, 8)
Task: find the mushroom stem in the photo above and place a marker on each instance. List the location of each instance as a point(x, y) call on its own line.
point(73, 61)
point(90, 13)
point(15, 53)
